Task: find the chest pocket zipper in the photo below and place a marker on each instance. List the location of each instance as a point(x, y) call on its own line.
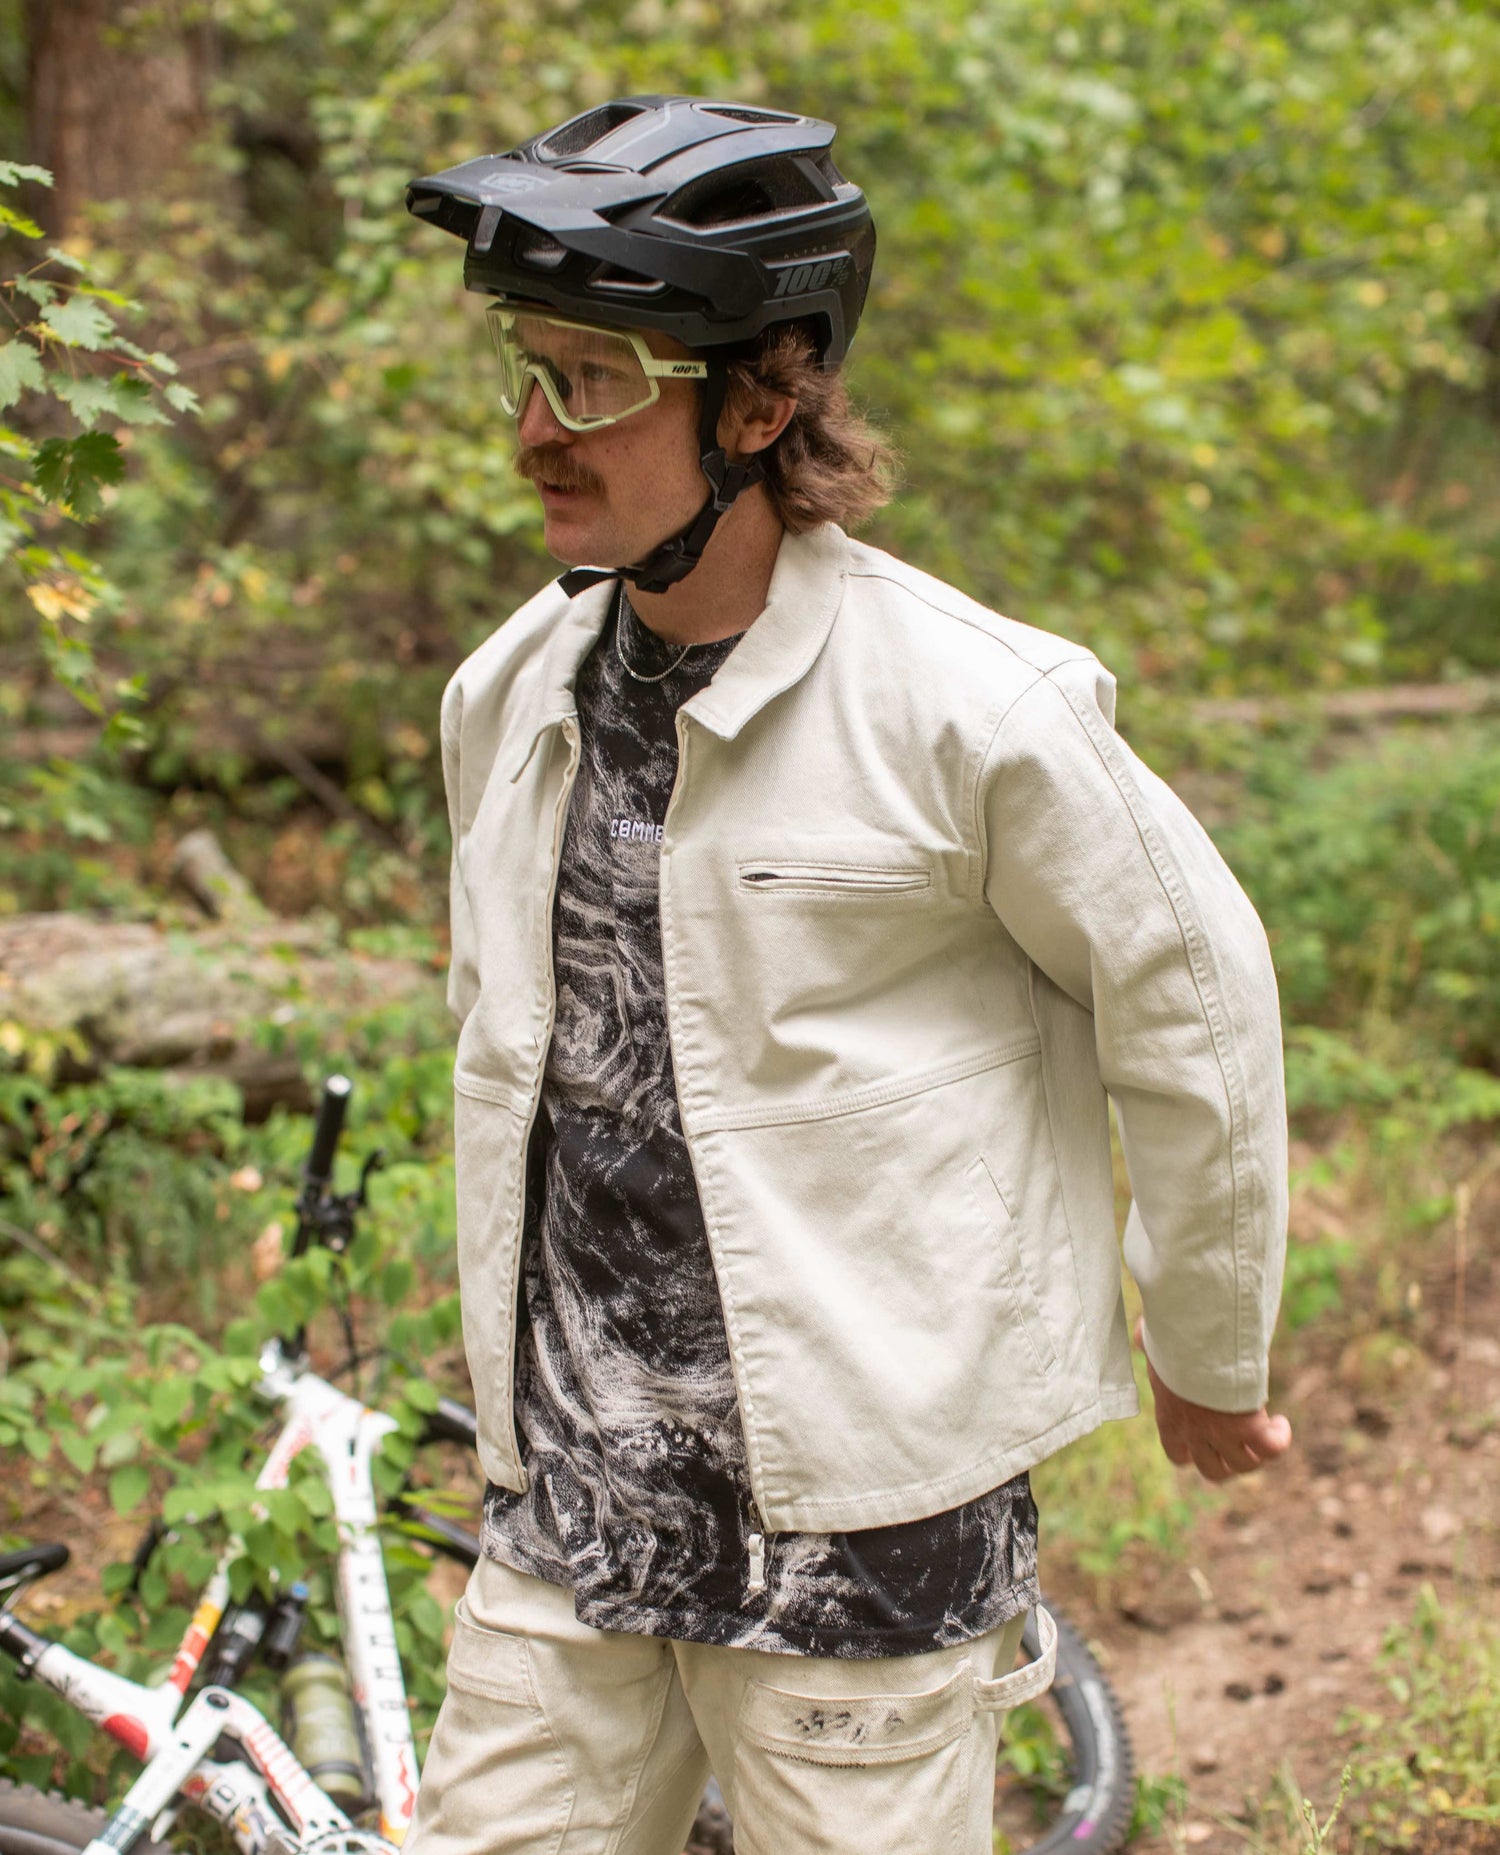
point(830, 879)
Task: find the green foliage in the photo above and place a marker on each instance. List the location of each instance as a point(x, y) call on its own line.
point(1313, 1285)
point(1032, 1749)
point(59, 816)
point(1180, 322)
point(168, 1422)
point(1435, 1754)
point(1379, 881)
point(1160, 1804)
point(129, 1175)
point(61, 328)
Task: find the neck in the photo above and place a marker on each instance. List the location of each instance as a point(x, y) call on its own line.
point(726, 592)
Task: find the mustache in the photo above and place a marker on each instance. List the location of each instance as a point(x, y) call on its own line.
point(556, 467)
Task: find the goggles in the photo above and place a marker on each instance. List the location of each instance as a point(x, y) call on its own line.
point(590, 376)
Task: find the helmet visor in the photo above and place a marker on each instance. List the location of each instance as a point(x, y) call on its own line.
point(591, 376)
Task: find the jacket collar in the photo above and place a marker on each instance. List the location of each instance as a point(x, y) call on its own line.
point(782, 645)
point(572, 638)
point(807, 585)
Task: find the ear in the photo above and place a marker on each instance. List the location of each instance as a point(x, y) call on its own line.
point(742, 437)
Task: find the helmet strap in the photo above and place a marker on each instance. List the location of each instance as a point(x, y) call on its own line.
point(676, 558)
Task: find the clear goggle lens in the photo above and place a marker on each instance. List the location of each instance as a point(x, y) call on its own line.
point(590, 376)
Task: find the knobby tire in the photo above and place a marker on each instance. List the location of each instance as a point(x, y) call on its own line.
point(34, 1822)
point(1096, 1813)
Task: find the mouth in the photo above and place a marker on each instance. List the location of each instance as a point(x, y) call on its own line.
point(560, 480)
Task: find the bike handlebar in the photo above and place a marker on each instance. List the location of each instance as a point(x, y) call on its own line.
point(451, 1422)
point(318, 1171)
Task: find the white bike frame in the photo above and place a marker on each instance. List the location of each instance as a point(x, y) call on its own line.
point(177, 1751)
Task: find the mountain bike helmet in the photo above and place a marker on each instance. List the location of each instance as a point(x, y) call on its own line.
point(708, 221)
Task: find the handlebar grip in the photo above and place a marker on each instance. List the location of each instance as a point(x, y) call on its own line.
point(331, 1111)
point(451, 1422)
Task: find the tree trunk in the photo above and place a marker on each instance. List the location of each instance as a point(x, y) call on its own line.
point(113, 107)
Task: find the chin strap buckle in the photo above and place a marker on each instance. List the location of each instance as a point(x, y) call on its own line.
point(579, 579)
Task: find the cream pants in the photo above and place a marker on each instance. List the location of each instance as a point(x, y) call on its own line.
point(560, 1739)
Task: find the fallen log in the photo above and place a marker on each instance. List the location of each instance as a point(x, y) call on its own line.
point(196, 1001)
point(1357, 708)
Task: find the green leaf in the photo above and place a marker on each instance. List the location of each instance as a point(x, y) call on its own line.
point(18, 222)
point(113, 1635)
point(396, 1281)
point(184, 1504)
point(128, 1487)
point(420, 1394)
point(65, 258)
point(20, 368)
point(241, 1337)
point(169, 1399)
point(284, 1510)
point(125, 397)
point(78, 323)
point(13, 172)
point(79, 1450)
point(181, 397)
point(72, 470)
point(315, 1497)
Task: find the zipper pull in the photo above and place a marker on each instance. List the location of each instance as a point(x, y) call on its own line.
point(757, 1563)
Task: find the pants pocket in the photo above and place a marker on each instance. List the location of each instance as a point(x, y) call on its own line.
point(858, 1774)
point(495, 1777)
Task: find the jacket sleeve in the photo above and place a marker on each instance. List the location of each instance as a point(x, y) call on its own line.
point(1109, 885)
point(463, 964)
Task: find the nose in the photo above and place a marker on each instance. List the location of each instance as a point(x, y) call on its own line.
point(536, 422)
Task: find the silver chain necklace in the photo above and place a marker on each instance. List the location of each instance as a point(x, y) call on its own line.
point(623, 607)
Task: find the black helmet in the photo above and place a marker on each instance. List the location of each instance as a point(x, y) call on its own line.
point(709, 221)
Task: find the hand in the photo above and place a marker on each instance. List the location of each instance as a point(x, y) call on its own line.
point(1219, 1444)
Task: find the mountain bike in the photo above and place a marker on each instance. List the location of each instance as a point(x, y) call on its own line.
point(347, 1783)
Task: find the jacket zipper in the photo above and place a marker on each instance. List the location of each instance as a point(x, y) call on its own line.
point(757, 1579)
point(559, 824)
point(814, 877)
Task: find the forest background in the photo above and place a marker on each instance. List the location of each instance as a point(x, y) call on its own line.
point(1186, 322)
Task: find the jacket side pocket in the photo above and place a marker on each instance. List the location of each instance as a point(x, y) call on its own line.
point(1024, 1298)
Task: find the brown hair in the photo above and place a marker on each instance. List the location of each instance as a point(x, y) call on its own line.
point(830, 464)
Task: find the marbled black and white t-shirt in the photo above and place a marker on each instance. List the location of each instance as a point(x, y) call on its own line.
point(639, 1497)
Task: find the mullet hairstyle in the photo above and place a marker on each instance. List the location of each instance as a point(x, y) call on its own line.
point(830, 464)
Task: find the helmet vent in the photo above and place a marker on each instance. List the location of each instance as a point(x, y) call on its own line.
point(736, 114)
point(574, 137)
point(614, 280)
point(538, 252)
point(743, 194)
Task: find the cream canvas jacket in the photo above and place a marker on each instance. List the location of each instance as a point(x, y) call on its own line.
point(922, 911)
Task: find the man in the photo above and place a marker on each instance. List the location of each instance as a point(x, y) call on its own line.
point(803, 914)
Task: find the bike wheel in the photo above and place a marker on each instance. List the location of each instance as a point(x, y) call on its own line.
point(34, 1822)
point(1093, 1815)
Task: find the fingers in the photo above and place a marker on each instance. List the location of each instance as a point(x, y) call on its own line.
point(1218, 1444)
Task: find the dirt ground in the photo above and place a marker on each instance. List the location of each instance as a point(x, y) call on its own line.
point(1240, 1661)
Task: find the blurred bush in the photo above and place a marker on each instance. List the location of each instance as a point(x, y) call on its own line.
point(1185, 320)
